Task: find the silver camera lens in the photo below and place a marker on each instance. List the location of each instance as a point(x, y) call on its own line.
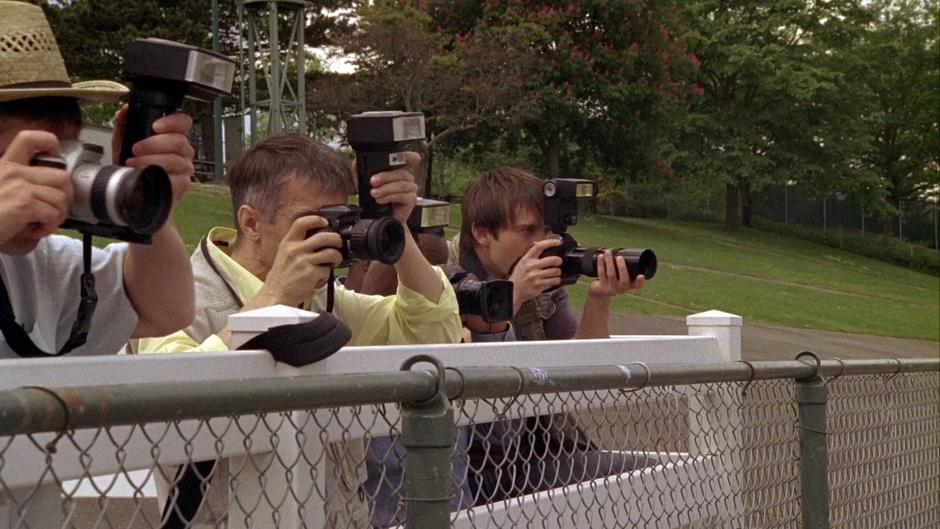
point(138, 198)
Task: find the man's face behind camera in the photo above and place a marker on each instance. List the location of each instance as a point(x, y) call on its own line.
point(22, 243)
point(513, 241)
point(298, 197)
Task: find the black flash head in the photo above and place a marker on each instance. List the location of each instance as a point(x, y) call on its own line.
point(372, 131)
point(163, 72)
point(560, 201)
point(429, 214)
point(203, 74)
point(380, 140)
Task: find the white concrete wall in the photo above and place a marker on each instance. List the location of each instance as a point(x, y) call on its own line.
point(714, 337)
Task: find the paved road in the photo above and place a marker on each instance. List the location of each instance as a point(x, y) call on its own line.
point(764, 342)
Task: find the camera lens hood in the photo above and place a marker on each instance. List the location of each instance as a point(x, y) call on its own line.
point(145, 198)
point(383, 239)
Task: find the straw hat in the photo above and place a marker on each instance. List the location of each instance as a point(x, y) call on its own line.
point(30, 62)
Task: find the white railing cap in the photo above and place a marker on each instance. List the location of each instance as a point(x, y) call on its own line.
point(713, 318)
point(260, 320)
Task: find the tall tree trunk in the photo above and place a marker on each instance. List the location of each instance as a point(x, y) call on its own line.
point(891, 219)
point(746, 203)
point(733, 206)
point(552, 151)
point(891, 223)
point(429, 174)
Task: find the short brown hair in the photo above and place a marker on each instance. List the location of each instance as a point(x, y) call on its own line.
point(492, 200)
point(58, 113)
point(256, 177)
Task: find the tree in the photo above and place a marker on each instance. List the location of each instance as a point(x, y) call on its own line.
point(771, 99)
point(900, 108)
point(404, 62)
point(611, 75)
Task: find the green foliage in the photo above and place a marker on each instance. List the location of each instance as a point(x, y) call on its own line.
point(610, 76)
point(838, 96)
point(889, 250)
point(900, 99)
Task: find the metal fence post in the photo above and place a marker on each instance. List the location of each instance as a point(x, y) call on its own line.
point(428, 432)
point(811, 396)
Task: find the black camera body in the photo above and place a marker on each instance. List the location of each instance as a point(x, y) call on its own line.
point(491, 300)
point(560, 205)
point(380, 140)
point(163, 72)
point(381, 239)
point(126, 203)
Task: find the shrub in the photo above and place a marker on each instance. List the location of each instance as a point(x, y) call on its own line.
point(890, 250)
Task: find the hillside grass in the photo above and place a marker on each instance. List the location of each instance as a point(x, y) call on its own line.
point(763, 276)
point(769, 278)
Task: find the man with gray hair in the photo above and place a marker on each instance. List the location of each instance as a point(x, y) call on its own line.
point(280, 253)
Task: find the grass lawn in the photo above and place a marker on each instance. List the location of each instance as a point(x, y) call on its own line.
point(769, 278)
point(762, 276)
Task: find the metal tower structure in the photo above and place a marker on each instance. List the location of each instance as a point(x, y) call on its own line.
point(262, 21)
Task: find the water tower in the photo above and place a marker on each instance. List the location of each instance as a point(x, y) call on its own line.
point(273, 48)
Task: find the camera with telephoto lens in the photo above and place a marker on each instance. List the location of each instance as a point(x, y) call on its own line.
point(111, 200)
point(491, 300)
point(381, 239)
point(560, 203)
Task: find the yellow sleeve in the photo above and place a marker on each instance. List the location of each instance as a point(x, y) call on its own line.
point(405, 318)
point(179, 342)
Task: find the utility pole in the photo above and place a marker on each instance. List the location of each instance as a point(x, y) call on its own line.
point(285, 101)
point(217, 155)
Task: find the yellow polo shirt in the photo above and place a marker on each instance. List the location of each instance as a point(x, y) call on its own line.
point(402, 319)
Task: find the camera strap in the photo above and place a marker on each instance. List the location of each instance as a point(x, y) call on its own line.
point(204, 248)
point(19, 340)
point(330, 292)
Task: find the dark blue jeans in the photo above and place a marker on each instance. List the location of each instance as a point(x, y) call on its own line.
point(384, 478)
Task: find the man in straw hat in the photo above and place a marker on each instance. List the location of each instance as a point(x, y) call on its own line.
point(143, 290)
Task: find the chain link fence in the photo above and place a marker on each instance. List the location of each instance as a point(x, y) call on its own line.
point(604, 447)
point(916, 221)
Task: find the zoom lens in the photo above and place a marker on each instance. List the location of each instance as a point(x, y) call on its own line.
point(144, 199)
point(138, 198)
point(583, 261)
point(495, 300)
point(381, 239)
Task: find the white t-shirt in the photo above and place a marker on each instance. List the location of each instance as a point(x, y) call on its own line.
point(44, 292)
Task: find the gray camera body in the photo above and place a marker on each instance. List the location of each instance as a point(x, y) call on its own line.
point(114, 201)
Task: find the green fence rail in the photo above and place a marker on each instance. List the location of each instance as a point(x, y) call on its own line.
point(756, 444)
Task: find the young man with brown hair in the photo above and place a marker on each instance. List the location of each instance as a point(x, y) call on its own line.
point(503, 236)
point(143, 290)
